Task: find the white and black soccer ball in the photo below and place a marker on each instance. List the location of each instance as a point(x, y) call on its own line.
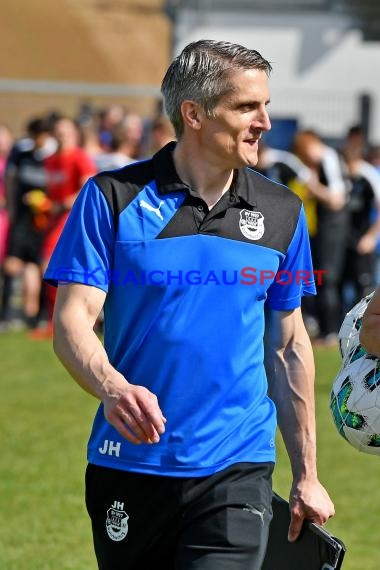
point(350, 329)
point(355, 402)
point(355, 394)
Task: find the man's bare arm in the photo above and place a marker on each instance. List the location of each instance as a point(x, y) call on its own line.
point(290, 367)
point(133, 410)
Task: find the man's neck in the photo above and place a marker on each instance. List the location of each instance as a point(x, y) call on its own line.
point(208, 180)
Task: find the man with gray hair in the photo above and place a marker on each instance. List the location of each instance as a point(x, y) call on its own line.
point(187, 251)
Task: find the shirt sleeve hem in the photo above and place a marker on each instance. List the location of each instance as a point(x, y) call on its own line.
point(71, 277)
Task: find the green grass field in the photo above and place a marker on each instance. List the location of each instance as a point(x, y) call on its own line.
point(44, 424)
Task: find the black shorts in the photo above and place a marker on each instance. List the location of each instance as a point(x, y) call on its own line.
point(25, 242)
point(219, 522)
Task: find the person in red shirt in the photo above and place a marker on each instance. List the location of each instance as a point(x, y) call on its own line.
point(68, 169)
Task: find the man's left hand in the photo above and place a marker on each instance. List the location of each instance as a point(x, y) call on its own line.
point(308, 500)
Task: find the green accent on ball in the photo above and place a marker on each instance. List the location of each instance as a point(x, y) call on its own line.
point(358, 323)
point(374, 440)
point(341, 414)
point(337, 417)
point(372, 379)
point(357, 353)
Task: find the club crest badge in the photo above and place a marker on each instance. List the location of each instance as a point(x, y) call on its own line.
point(251, 224)
point(117, 522)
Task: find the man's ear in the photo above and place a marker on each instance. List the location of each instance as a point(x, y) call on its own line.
point(192, 114)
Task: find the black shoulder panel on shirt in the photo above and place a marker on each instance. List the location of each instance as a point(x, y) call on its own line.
point(280, 208)
point(121, 186)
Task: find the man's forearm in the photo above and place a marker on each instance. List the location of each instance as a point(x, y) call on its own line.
point(291, 377)
point(83, 355)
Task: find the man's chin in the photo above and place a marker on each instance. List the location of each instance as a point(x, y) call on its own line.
point(245, 160)
point(251, 160)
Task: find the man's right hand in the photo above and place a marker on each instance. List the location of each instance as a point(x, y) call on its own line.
point(136, 414)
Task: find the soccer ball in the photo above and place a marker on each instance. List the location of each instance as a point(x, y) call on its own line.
point(350, 329)
point(355, 402)
point(355, 395)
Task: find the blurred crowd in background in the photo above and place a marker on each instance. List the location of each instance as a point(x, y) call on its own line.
point(42, 172)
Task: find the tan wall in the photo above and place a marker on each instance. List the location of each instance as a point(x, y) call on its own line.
point(121, 42)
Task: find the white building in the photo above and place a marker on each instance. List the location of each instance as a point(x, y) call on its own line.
point(325, 54)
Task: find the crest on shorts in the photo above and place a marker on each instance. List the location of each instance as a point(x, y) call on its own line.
point(117, 522)
point(251, 224)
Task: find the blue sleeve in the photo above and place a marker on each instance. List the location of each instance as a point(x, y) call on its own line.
point(295, 277)
point(84, 251)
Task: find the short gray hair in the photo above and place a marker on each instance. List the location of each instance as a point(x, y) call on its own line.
point(202, 73)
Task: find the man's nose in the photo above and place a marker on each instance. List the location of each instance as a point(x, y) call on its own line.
point(261, 121)
point(265, 121)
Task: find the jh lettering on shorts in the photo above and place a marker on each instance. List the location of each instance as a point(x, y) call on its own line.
point(110, 448)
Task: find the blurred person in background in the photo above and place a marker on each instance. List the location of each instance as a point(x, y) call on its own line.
point(108, 119)
point(286, 168)
point(355, 142)
point(160, 132)
point(6, 140)
point(374, 157)
point(52, 116)
point(67, 171)
point(329, 186)
point(117, 156)
point(89, 138)
point(359, 271)
point(27, 204)
point(133, 126)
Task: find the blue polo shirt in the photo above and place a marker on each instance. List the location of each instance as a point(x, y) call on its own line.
point(184, 312)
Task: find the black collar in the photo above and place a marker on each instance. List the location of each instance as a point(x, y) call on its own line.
point(168, 180)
